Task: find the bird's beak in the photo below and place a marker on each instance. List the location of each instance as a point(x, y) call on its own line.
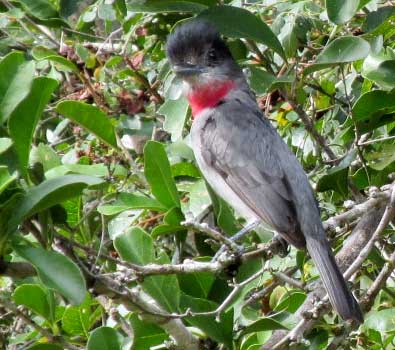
point(187, 70)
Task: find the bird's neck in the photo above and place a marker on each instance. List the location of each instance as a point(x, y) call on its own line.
point(208, 95)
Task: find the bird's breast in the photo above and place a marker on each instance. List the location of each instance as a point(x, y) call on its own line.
point(213, 177)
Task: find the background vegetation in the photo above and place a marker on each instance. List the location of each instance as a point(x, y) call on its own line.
point(107, 228)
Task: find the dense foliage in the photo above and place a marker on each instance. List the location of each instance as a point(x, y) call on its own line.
point(107, 229)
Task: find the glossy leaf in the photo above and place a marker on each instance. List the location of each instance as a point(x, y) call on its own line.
point(17, 77)
point(264, 324)
point(158, 174)
point(172, 223)
point(9, 66)
point(381, 321)
point(68, 7)
point(42, 53)
point(380, 69)
point(291, 301)
point(196, 284)
point(146, 335)
point(24, 118)
point(166, 6)
point(373, 109)
point(185, 169)
point(91, 118)
point(45, 346)
point(130, 201)
point(221, 331)
point(40, 8)
point(104, 338)
point(375, 19)
point(99, 170)
point(56, 271)
point(136, 246)
point(34, 297)
point(341, 50)
point(263, 82)
point(5, 144)
point(340, 11)
point(5, 178)
point(337, 177)
point(175, 112)
point(247, 26)
point(49, 193)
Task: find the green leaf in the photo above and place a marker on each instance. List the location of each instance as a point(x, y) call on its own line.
point(340, 11)
point(185, 169)
point(136, 246)
point(263, 82)
point(56, 271)
point(375, 19)
point(341, 50)
point(175, 112)
point(49, 193)
point(16, 80)
point(74, 322)
point(68, 7)
point(221, 331)
point(337, 177)
point(9, 67)
point(165, 6)
point(5, 144)
point(45, 346)
point(380, 69)
point(106, 12)
point(34, 297)
point(381, 159)
point(99, 170)
point(130, 201)
point(5, 178)
point(263, 324)
point(46, 156)
point(104, 338)
point(247, 26)
point(223, 214)
point(381, 321)
point(158, 174)
point(43, 53)
point(91, 118)
point(42, 9)
point(196, 284)
point(199, 198)
point(291, 301)
point(146, 335)
point(172, 223)
point(24, 118)
point(373, 109)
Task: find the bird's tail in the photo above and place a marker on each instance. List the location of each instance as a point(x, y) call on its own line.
point(340, 296)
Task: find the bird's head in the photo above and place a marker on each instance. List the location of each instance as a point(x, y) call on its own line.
point(199, 56)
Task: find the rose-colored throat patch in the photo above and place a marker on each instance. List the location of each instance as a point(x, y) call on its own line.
point(208, 95)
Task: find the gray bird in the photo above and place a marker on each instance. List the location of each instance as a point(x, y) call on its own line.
point(244, 159)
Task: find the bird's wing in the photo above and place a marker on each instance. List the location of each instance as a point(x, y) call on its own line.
point(243, 148)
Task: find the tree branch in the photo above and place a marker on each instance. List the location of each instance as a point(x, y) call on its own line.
point(308, 313)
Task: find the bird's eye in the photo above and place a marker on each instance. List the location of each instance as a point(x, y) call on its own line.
point(212, 55)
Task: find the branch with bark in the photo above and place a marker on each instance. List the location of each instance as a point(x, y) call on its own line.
point(355, 250)
point(364, 234)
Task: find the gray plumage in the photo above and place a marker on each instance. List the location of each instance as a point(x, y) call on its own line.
point(248, 164)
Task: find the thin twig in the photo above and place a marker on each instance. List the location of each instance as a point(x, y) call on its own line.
point(43, 331)
point(386, 218)
point(387, 138)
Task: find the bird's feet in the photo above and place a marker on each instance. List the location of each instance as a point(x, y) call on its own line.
point(283, 246)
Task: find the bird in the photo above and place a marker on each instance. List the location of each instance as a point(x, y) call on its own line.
point(244, 159)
